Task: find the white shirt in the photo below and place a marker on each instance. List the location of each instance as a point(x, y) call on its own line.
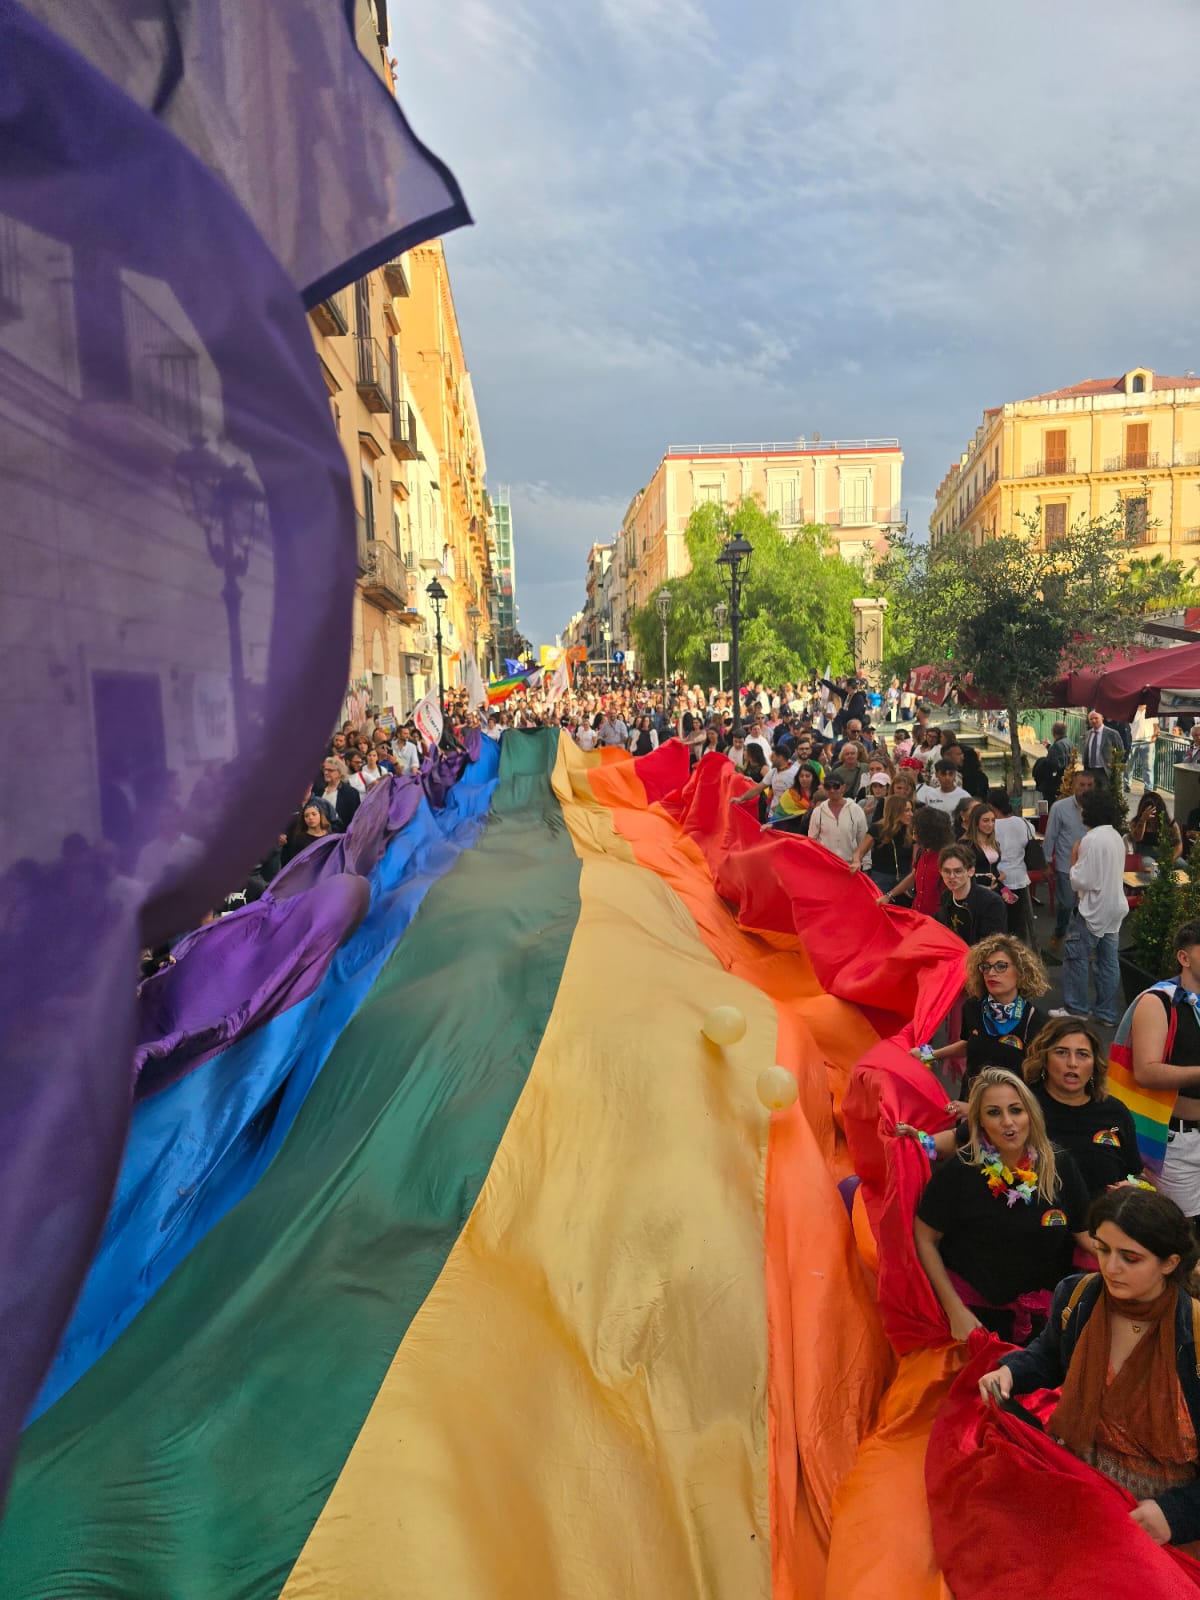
point(781, 782)
point(407, 759)
point(585, 736)
point(762, 743)
point(1096, 878)
point(930, 795)
point(841, 834)
point(1012, 835)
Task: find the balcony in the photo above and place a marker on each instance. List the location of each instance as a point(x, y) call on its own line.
point(865, 517)
point(404, 431)
point(373, 374)
point(1190, 536)
point(362, 542)
point(385, 577)
point(330, 314)
point(396, 277)
point(1136, 461)
point(1190, 458)
point(1052, 467)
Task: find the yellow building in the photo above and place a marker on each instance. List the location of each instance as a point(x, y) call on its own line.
point(1074, 453)
point(404, 407)
point(850, 485)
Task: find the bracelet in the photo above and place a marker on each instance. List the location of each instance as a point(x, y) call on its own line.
point(1139, 1183)
point(925, 1140)
point(925, 1051)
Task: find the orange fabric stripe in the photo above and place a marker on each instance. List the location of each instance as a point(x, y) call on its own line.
point(828, 1361)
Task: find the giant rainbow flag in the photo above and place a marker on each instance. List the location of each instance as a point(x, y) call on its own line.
point(468, 1267)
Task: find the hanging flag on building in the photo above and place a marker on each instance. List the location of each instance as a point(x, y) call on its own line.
point(428, 718)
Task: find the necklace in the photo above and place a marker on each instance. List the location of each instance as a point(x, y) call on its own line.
point(1018, 1182)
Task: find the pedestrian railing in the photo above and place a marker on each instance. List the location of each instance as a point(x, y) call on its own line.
point(1167, 752)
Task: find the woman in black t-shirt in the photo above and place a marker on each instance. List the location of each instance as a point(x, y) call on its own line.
point(889, 841)
point(998, 1222)
point(1066, 1067)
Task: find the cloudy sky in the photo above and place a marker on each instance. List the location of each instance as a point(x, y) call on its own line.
point(701, 220)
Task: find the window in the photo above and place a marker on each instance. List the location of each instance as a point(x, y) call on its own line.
point(708, 494)
point(368, 488)
point(362, 307)
point(784, 499)
point(1056, 450)
point(1137, 445)
point(856, 501)
point(1137, 519)
point(1138, 386)
point(1056, 521)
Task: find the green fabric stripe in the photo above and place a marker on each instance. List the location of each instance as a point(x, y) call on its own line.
point(191, 1462)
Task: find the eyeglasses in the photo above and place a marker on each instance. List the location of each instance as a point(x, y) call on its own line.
point(995, 966)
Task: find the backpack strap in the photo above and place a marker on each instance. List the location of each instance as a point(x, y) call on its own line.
point(1077, 1293)
point(1196, 1334)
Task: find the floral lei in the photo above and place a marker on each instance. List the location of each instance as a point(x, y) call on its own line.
point(1015, 1182)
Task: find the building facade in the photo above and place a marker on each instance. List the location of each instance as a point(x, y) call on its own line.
point(852, 486)
point(597, 605)
point(1078, 452)
point(404, 407)
point(508, 625)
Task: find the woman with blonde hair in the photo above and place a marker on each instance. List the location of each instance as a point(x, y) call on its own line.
point(888, 841)
point(998, 1222)
point(979, 831)
point(1004, 978)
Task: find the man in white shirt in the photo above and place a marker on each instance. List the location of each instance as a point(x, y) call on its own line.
point(838, 823)
point(756, 736)
point(613, 731)
point(407, 759)
point(946, 792)
point(1097, 872)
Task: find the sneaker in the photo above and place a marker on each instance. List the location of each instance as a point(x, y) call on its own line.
point(1065, 1011)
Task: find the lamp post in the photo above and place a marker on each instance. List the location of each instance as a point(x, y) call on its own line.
point(662, 602)
point(232, 511)
point(438, 597)
point(720, 612)
point(734, 562)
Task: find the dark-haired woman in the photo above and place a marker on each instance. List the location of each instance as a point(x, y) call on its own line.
point(972, 777)
point(888, 841)
point(1121, 1343)
point(1066, 1066)
point(1148, 827)
point(931, 830)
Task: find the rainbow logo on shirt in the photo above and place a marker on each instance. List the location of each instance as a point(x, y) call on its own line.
point(1054, 1219)
point(1106, 1136)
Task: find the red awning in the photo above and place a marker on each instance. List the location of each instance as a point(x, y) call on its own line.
point(1128, 682)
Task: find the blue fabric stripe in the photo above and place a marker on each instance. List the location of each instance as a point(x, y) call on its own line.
point(201, 1145)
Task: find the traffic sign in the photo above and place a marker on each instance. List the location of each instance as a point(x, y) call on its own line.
point(719, 652)
point(619, 657)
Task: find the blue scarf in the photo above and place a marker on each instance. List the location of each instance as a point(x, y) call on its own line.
point(1001, 1020)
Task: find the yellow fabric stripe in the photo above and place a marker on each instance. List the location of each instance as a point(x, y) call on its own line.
point(578, 1408)
point(1137, 1099)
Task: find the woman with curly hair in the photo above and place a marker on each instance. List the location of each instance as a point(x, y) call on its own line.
point(1004, 977)
point(1066, 1066)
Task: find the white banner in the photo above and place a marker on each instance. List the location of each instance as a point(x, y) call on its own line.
point(473, 683)
point(428, 718)
point(718, 652)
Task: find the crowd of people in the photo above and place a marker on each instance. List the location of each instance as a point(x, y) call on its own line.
point(1039, 1221)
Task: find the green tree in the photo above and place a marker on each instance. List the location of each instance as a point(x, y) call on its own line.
point(796, 612)
point(1016, 614)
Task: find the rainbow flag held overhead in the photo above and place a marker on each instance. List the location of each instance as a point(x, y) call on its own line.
point(481, 1250)
point(499, 691)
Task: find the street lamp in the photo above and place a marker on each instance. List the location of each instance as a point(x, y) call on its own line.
point(734, 562)
point(662, 602)
point(438, 596)
point(232, 511)
point(720, 612)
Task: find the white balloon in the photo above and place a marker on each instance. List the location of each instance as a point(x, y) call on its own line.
point(724, 1025)
point(777, 1088)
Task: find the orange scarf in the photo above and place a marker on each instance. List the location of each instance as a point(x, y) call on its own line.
point(1141, 1399)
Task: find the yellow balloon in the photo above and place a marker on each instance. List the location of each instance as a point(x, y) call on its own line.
point(724, 1025)
point(777, 1088)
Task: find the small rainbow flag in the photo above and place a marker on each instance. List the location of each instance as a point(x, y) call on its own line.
point(500, 690)
point(1150, 1108)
